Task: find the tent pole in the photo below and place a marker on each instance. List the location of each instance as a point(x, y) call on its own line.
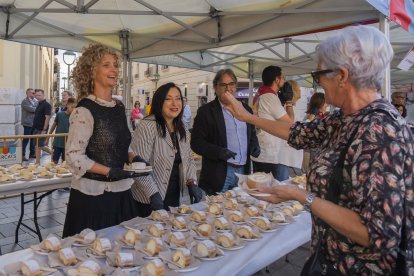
point(384, 26)
point(251, 81)
point(126, 91)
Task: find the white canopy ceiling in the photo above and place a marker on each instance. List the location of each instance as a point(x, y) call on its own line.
point(203, 34)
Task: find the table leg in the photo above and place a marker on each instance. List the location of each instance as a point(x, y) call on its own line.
point(16, 238)
point(36, 205)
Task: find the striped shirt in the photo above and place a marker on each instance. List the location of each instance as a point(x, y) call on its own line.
point(159, 152)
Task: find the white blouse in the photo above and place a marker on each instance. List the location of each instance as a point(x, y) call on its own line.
point(80, 131)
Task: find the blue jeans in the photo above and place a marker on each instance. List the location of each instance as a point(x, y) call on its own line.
point(57, 153)
point(279, 171)
point(231, 179)
point(28, 131)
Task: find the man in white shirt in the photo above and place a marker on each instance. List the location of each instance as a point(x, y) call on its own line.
point(267, 105)
point(186, 113)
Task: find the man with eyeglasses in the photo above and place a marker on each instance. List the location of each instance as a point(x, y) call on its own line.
point(28, 107)
point(268, 106)
point(224, 142)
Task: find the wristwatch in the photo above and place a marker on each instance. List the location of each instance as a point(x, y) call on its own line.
point(308, 202)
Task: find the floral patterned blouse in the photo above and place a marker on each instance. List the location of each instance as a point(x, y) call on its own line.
point(377, 174)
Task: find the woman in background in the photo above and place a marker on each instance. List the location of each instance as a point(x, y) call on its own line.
point(316, 107)
point(136, 114)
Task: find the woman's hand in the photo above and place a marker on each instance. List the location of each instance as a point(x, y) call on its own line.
point(280, 193)
point(235, 107)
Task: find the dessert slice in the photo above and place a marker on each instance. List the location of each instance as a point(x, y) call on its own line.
point(154, 268)
point(199, 216)
point(278, 216)
point(177, 238)
point(101, 246)
point(245, 231)
point(221, 223)
point(214, 209)
point(263, 223)
point(252, 211)
point(67, 256)
point(30, 268)
point(160, 215)
point(179, 223)
point(89, 268)
point(235, 216)
point(206, 249)
point(204, 229)
point(226, 240)
point(184, 209)
point(153, 246)
point(132, 235)
point(156, 229)
point(87, 235)
point(231, 204)
point(123, 259)
point(182, 257)
point(52, 244)
point(230, 194)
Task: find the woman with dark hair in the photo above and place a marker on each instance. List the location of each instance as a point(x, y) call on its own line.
point(136, 114)
point(316, 107)
point(162, 139)
point(401, 108)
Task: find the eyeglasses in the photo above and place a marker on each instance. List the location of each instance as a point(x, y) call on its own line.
point(317, 74)
point(227, 85)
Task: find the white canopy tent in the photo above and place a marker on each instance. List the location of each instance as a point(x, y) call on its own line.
point(202, 34)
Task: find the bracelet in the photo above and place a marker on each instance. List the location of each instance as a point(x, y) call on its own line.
point(288, 105)
point(308, 202)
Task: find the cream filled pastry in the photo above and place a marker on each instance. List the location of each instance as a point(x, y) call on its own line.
point(182, 257)
point(67, 256)
point(102, 245)
point(154, 268)
point(206, 249)
point(30, 268)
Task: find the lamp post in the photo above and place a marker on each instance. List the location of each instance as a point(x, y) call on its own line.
point(69, 59)
point(155, 78)
point(64, 82)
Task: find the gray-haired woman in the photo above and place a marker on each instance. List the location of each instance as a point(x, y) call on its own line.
point(361, 178)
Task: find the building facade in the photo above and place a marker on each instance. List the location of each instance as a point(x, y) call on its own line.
point(21, 66)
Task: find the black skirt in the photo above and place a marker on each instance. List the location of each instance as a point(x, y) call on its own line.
point(97, 212)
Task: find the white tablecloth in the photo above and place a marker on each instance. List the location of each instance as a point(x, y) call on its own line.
point(37, 185)
point(246, 261)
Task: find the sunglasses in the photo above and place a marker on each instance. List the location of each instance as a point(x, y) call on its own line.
point(316, 75)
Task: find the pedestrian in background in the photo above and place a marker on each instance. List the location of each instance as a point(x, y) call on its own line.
point(41, 120)
point(28, 107)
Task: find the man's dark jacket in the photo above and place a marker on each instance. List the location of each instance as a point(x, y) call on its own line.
point(208, 139)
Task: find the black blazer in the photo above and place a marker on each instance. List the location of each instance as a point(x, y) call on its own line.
point(208, 139)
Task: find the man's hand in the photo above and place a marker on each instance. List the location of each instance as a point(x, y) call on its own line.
point(227, 154)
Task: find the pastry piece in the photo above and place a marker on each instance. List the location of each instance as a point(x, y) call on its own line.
point(179, 223)
point(177, 238)
point(231, 204)
point(245, 231)
point(258, 180)
point(52, 244)
point(235, 216)
point(160, 215)
point(27, 175)
point(5, 177)
point(184, 209)
point(214, 209)
point(262, 205)
point(221, 223)
point(206, 249)
point(67, 256)
point(156, 229)
point(153, 246)
point(123, 259)
point(40, 169)
point(87, 235)
point(204, 229)
point(244, 198)
point(32, 166)
point(138, 166)
point(45, 174)
point(278, 217)
point(263, 223)
point(89, 268)
point(289, 211)
point(50, 166)
point(297, 207)
point(30, 268)
point(252, 211)
point(15, 168)
point(226, 240)
point(132, 235)
point(182, 257)
point(199, 216)
point(154, 268)
point(230, 194)
point(61, 170)
point(102, 245)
